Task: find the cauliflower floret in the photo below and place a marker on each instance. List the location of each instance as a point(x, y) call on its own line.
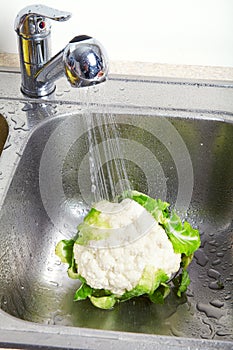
point(119, 269)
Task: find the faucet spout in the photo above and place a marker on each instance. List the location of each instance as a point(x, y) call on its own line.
point(83, 60)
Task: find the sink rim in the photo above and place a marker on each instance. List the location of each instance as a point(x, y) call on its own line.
point(54, 336)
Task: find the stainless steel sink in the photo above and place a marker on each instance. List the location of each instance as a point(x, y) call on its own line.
point(181, 153)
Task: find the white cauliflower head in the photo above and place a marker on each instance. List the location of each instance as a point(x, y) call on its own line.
point(131, 243)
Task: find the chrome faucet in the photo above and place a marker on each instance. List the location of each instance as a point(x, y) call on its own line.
point(83, 60)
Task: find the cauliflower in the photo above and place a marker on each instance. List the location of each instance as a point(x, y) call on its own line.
point(119, 269)
point(128, 249)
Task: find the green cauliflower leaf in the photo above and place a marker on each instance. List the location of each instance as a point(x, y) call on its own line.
point(184, 238)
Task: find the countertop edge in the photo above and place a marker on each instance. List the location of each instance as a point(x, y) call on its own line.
point(150, 69)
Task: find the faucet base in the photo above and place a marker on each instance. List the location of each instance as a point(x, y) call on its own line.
point(45, 90)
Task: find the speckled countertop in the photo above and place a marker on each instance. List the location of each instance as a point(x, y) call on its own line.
point(150, 69)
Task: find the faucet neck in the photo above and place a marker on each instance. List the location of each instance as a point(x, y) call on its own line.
point(34, 53)
point(34, 31)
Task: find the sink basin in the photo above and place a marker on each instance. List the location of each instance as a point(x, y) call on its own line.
point(181, 156)
point(40, 209)
point(3, 132)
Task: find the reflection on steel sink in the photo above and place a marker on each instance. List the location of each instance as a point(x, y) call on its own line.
point(184, 159)
point(36, 214)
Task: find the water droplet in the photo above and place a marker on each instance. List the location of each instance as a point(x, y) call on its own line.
point(190, 293)
point(3, 301)
point(55, 284)
point(214, 274)
point(11, 109)
point(210, 310)
point(223, 333)
point(217, 303)
point(27, 107)
point(210, 333)
point(19, 124)
point(201, 258)
point(93, 188)
point(216, 262)
point(220, 254)
point(18, 153)
point(212, 242)
point(59, 94)
point(216, 285)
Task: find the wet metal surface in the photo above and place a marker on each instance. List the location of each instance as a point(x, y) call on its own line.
point(44, 195)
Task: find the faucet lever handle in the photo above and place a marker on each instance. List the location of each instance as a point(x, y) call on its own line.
point(22, 20)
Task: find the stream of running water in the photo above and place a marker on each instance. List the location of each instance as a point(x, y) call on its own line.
point(106, 157)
